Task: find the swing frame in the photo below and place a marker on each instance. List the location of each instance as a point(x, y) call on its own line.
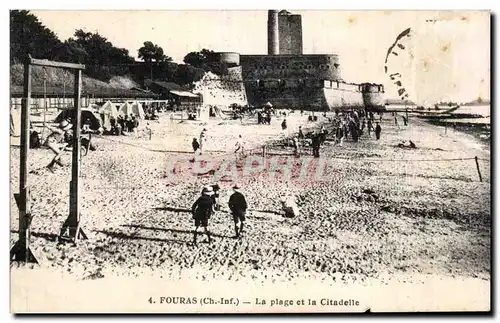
point(21, 251)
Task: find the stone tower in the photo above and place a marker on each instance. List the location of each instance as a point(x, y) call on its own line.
point(290, 33)
point(272, 33)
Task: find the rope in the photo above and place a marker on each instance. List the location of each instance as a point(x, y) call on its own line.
point(259, 151)
point(410, 160)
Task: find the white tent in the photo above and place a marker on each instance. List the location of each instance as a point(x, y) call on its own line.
point(138, 110)
point(126, 109)
point(109, 109)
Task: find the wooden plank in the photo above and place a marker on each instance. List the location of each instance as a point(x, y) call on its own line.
point(75, 165)
point(47, 63)
point(23, 170)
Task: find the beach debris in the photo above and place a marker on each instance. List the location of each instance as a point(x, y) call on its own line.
point(366, 194)
point(407, 144)
point(289, 206)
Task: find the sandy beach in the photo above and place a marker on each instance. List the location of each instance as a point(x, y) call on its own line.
point(379, 215)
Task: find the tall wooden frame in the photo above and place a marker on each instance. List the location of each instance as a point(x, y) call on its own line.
point(21, 251)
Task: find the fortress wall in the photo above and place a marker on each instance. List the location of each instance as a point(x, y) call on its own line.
point(373, 95)
point(342, 98)
point(287, 81)
point(285, 97)
point(229, 58)
point(373, 99)
point(315, 94)
point(322, 67)
point(222, 90)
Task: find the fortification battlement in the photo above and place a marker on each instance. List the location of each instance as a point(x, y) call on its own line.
point(230, 58)
point(322, 67)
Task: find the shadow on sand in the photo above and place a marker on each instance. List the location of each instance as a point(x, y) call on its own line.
point(172, 209)
point(121, 235)
point(266, 211)
point(47, 236)
point(136, 226)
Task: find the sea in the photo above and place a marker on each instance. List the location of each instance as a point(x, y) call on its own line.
point(482, 110)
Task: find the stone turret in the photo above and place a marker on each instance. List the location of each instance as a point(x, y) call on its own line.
point(272, 33)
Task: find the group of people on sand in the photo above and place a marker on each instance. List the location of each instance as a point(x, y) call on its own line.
point(352, 124)
point(207, 205)
point(123, 125)
point(198, 144)
point(264, 117)
point(356, 123)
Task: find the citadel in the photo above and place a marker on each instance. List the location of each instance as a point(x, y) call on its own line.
point(286, 77)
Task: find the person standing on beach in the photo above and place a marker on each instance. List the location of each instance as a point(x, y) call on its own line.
point(238, 206)
point(283, 124)
point(56, 141)
point(239, 149)
point(301, 134)
point(203, 138)
point(405, 121)
point(369, 127)
point(196, 145)
point(296, 146)
point(316, 144)
point(339, 135)
point(378, 130)
point(216, 196)
point(202, 210)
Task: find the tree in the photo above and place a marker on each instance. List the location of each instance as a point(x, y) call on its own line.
point(29, 36)
point(71, 51)
point(198, 59)
point(150, 52)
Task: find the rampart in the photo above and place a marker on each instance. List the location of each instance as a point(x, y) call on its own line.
point(318, 67)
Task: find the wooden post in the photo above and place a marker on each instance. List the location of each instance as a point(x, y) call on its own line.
point(264, 151)
point(445, 127)
point(21, 251)
point(478, 170)
point(73, 221)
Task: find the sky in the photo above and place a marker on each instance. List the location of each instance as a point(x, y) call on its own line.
point(447, 56)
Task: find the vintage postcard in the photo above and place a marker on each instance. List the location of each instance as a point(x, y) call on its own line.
point(258, 161)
